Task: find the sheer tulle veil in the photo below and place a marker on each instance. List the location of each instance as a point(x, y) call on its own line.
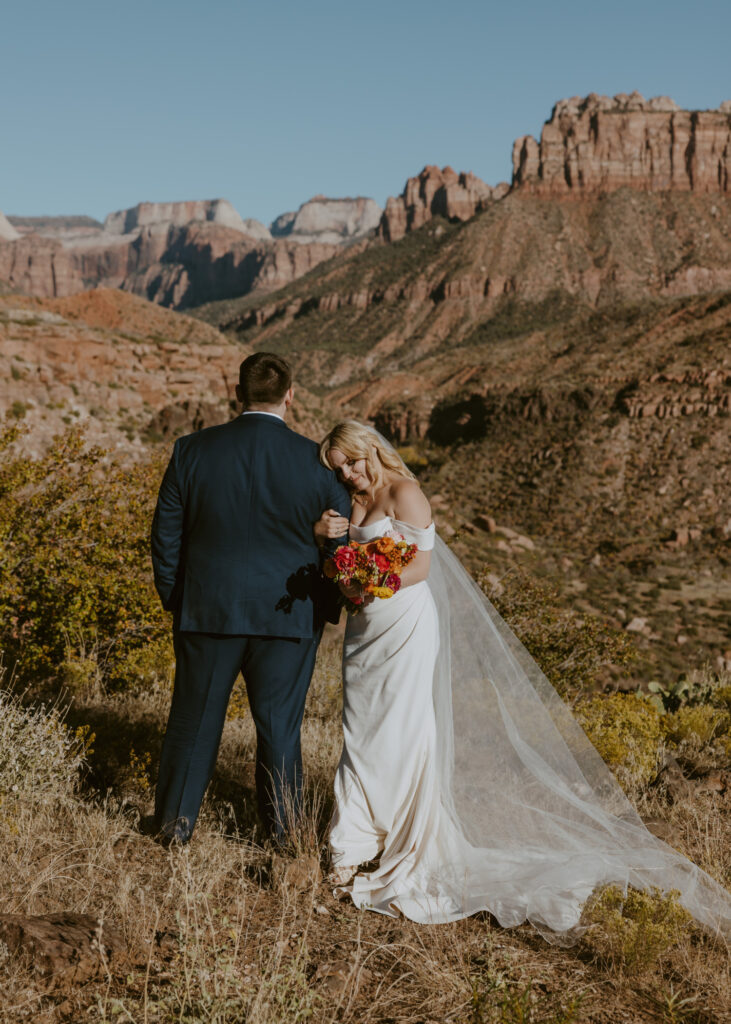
point(539, 819)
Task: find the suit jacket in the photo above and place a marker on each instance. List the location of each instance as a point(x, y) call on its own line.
point(232, 544)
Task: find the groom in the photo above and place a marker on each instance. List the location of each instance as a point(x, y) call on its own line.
point(236, 561)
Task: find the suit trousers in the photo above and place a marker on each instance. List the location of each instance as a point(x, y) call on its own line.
point(277, 672)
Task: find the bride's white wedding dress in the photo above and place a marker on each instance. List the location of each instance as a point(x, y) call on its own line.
point(464, 772)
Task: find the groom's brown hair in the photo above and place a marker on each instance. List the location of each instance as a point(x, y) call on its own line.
point(264, 379)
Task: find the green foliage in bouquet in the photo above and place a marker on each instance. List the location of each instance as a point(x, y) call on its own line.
point(77, 602)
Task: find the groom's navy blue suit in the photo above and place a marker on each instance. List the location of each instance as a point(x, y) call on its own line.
point(236, 561)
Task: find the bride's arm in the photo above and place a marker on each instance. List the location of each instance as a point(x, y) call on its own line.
point(411, 506)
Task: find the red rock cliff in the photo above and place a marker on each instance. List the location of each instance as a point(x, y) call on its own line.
point(436, 192)
point(597, 144)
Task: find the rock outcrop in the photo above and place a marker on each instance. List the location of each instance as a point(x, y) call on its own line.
point(7, 231)
point(329, 221)
point(175, 266)
point(63, 950)
point(176, 254)
point(601, 143)
point(217, 211)
point(436, 192)
point(39, 266)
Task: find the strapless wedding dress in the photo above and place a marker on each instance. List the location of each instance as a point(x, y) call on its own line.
point(468, 778)
point(386, 794)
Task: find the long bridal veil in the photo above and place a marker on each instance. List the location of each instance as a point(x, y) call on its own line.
point(543, 819)
point(537, 820)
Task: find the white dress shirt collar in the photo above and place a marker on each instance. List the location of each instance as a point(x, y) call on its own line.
point(262, 412)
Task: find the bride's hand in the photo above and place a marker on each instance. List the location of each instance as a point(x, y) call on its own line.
point(330, 525)
point(355, 592)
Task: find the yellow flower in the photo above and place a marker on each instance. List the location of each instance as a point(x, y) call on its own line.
point(381, 591)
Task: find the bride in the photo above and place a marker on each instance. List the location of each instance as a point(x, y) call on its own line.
point(465, 784)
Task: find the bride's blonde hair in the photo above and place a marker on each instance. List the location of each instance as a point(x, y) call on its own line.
point(356, 441)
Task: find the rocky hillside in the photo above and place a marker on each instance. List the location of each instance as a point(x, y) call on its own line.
point(126, 370)
point(560, 374)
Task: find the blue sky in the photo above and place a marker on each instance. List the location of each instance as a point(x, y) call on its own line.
point(103, 105)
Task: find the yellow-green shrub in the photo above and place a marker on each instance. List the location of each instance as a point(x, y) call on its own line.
point(629, 932)
point(698, 725)
point(722, 698)
point(75, 576)
point(626, 731)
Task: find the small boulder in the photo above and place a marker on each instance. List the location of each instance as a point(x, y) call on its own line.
point(638, 624)
point(64, 949)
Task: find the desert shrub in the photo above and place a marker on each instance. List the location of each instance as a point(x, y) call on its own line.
point(722, 698)
point(700, 686)
point(75, 579)
point(696, 725)
point(39, 755)
point(629, 932)
point(626, 731)
point(573, 651)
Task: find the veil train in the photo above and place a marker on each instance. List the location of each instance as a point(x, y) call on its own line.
point(537, 820)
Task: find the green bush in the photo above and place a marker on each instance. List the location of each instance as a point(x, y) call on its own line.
point(626, 731)
point(574, 652)
point(75, 577)
point(697, 726)
point(629, 932)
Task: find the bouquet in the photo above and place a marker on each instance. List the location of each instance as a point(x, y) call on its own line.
point(376, 565)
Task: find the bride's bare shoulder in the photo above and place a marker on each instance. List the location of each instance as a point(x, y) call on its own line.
point(410, 504)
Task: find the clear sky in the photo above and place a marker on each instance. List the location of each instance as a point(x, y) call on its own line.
point(103, 105)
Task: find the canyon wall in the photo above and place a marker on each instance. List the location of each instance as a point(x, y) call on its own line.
point(601, 143)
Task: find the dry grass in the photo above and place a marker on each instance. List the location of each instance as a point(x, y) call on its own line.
point(227, 931)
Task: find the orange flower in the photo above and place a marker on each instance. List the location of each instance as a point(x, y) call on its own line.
point(385, 545)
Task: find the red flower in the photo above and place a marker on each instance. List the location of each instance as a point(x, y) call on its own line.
point(344, 558)
point(393, 582)
point(382, 562)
